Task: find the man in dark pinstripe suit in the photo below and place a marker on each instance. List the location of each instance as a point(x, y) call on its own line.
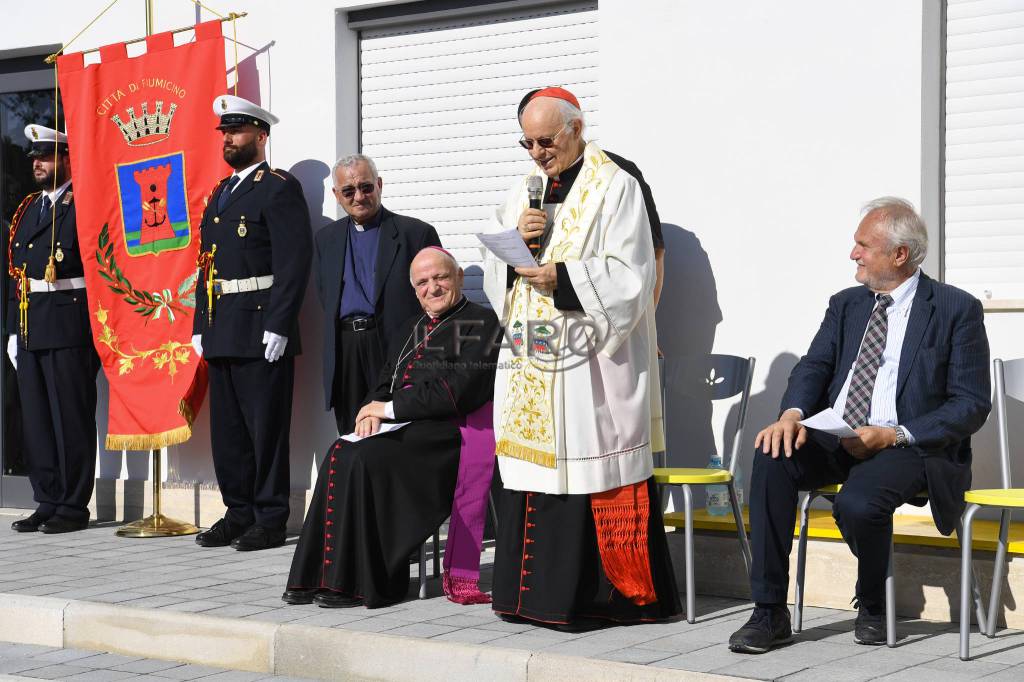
point(904, 359)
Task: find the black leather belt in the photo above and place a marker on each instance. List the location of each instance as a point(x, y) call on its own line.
point(357, 324)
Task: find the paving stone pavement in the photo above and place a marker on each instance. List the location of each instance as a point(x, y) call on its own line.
point(176, 575)
point(30, 661)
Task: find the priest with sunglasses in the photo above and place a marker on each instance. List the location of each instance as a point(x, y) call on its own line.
point(361, 263)
point(577, 416)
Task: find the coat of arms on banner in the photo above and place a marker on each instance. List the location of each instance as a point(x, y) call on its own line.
point(154, 204)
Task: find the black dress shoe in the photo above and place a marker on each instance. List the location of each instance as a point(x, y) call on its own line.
point(30, 524)
point(220, 534)
point(299, 595)
point(259, 537)
point(768, 627)
point(334, 600)
point(56, 524)
point(869, 628)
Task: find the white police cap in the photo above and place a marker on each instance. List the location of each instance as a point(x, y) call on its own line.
point(44, 140)
point(235, 111)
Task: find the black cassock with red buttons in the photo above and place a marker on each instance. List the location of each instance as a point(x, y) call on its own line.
point(377, 500)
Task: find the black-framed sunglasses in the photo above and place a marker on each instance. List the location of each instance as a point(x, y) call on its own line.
point(365, 188)
point(543, 142)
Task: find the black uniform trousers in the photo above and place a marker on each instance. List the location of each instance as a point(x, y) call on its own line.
point(359, 357)
point(872, 490)
point(57, 387)
point(250, 419)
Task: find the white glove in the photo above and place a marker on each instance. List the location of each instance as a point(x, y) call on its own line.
point(197, 344)
point(12, 350)
point(275, 346)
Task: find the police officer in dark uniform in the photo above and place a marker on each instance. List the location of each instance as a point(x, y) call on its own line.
point(256, 255)
point(50, 343)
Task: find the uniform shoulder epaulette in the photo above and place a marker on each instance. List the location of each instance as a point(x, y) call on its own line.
point(283, 174)
point(22, 207)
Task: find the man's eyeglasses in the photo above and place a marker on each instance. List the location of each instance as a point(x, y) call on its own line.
point(366, 188)
point(543, 142)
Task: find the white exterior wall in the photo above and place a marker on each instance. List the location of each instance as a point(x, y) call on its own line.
point(762, 128)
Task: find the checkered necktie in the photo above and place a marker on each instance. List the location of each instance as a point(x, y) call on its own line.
point(858, 400)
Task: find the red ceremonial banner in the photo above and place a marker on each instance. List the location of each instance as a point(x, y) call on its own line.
point(144, 155)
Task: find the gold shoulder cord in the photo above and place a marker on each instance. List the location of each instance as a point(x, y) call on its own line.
point(19, 274)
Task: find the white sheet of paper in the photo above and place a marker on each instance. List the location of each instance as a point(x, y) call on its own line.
point(509, 247)
point(385, 427)
point(831, 422)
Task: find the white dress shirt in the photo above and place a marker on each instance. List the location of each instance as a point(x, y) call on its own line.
point(244, 173)
point(883, 396)
point(55, 194)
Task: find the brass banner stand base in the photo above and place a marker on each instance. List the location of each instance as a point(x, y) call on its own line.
point(156, 525)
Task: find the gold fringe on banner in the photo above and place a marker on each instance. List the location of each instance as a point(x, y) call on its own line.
point(148, 441)
point(506, 448)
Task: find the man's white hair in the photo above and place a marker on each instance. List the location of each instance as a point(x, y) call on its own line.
point(569, 112)
point(903, 225)
point(351, 160)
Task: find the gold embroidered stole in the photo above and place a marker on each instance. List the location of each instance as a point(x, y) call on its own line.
point(538, 329)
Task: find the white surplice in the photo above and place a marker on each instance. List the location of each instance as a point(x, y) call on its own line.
point(607, 407)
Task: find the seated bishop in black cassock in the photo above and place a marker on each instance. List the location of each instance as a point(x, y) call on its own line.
point(378, 499)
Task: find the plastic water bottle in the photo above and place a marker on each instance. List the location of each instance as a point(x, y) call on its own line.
point(717, 495)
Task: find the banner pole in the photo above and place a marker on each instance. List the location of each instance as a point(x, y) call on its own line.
point(155, 525)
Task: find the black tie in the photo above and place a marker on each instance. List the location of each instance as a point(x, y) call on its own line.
point(44, 214)
point(225, 194)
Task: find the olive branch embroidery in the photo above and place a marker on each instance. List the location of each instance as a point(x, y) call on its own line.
point(148, 304)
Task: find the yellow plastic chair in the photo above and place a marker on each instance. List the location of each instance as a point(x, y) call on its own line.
point(710, 377)
point(829, 493)
point(1009, 381)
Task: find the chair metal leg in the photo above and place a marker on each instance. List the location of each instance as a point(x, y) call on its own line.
point(437, 553)
point(691, 600)
point(965, 583)
point(737, 515)
point(998, 571)
point(801, 563)
point(423, 571)
point(890, 597)
point(979, 603)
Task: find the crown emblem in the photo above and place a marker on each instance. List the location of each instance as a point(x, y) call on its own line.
point(140, 131)
point(35, 133)
point(223, 104)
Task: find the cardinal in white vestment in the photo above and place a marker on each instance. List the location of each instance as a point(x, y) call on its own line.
point(576, 408)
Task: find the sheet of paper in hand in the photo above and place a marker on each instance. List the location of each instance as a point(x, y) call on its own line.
point(831, 422)
point(385, 427)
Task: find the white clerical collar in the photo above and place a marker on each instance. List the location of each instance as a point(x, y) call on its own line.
point(55, 194)
point(244, 173)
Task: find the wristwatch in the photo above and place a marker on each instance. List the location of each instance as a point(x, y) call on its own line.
point(901, 437)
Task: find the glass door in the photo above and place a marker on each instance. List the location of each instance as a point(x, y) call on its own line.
point(17, 109)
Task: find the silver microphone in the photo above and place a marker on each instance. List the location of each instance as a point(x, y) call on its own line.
point(535, 190)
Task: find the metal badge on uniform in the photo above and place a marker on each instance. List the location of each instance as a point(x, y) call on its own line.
point(259, 175)
point(242, 229)
point(58, 255)
point(67, 198)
